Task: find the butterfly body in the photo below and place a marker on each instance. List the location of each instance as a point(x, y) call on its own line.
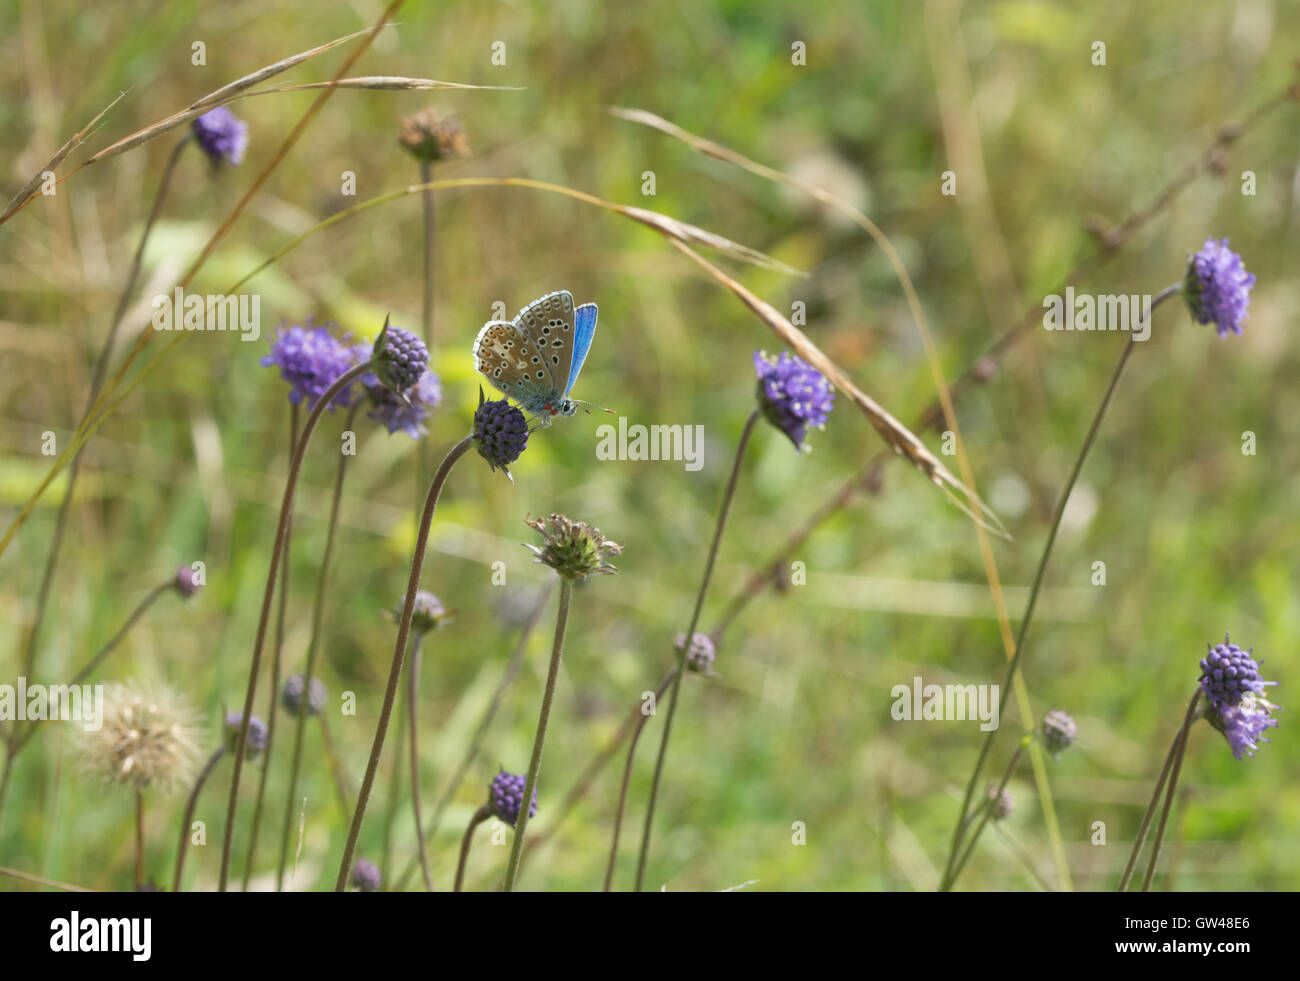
point(536, 358)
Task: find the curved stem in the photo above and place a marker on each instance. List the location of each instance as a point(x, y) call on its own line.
point(206, 772)
point(481, 815)
point(476, 741)
point(277, 664)
point(281, 532)
point(313, 647)
point(987, 810)
point(96, 383)
point(543, 718)
point(1150, 812)
point(627, 778)
point(727, 498)
point(1014, 663)
point(413, 712)
point(394, 790)
point(1180, 751)
point(399, 650)
point(335, 764)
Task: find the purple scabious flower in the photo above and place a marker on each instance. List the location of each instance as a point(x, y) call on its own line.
point(222, 135)
point(399, 413)
point(701, 653)
point(311, 359)
point(1059, 731)
point(291, 697)
point(1244, 723)
point(1228, 674)
point(188, 581)
point(500, 432)
point(506, 797)
point(792, 394)
point(1217, 287)
point(256, 741)
point(427, 613)
point(399, 358)
point(365, 876)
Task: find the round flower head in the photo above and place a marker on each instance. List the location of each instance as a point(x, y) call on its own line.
point(701, 653)
point(365, 876)
point(1000, 803)
point(1059, 731)
point(147, 739)
point(222, 135)
point(256, 741)
point(1217, 287)
point(1243, 724)
point(399, 358)
point(792, 394)
point(1228, 674)
point(427, 613)
point(188, 581)
point(311, 359)
point(292, 696)
point(506, 797)
point(426, 137)
point(500, 432)
point(573, 549)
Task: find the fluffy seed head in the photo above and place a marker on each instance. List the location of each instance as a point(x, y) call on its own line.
point(148, 739)
point(573, 549)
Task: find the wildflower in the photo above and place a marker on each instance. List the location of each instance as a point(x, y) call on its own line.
point(291, 697)
point(427, 137)
point(399, 358)
point(500, 432)
point(1244, 723)
point(1059, 731)
point(427, 613)
point(700, 654)
point(1217, 287)
point(1001, 803)
point(311, 359)
point(256, 741)
point(365, 876)
point(148, 739)
point(573, 549)
point(506, 797)
point(222, 135)
point(792, 394)
point(188, 582)
point(1228, 674)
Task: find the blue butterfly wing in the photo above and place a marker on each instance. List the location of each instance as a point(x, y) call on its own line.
point(584, 329)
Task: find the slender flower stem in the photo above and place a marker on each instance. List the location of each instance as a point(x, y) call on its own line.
point(313, 648)
point(1014, 663)
point(394, 790)
point(277, 665)
point(41, 881)
point(281, 532)
point(481, 815)
point(413, 712)
point(96, 383)
point(20, 739)
point(1179, 751)
point(139, 839)
point(727, 498)
point(1141, 835)
point(426, 176)
point(335, 764)
point(206, 772)
point(987, 810)
point(627, 778)
point(476, 741)
point(543, 718)
point(399, 650)
point(1024, 858)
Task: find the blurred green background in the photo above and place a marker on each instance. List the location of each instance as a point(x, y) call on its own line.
point(1198, 539)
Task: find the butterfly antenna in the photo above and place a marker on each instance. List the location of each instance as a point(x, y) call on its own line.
point(593, 405)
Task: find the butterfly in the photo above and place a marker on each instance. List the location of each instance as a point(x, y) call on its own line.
point(535, 358)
